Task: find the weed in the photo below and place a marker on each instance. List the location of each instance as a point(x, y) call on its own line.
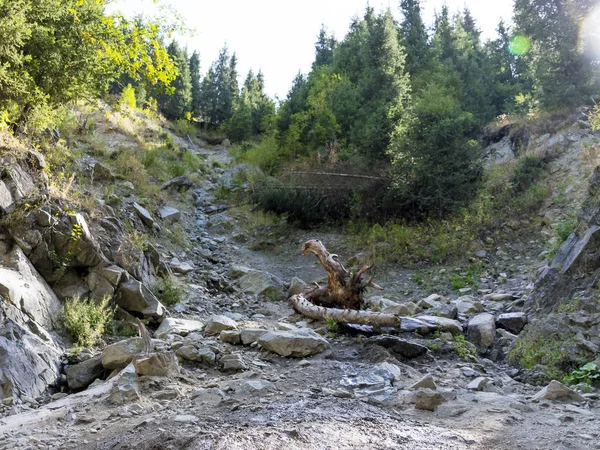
point(588, 373)
point(168, 292)
point(333, 326)
point(86, 320)
point(464, 349)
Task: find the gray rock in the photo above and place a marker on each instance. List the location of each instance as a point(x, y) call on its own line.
point(42, 217)
point(181, 327)
point(481, 330)
point(425, 382)
point(300, 343)
point(443, 323)
point(70, 286)
point(217, 323)
point(135, 297)
point(467, 305)
point(163, 364)
point(181, 183)
point(102, 173)
point(181, 267)
point(99, 286)
point(143, 214)
point(498, 152)
point(499, 297)
point(191, 353)
point(402, 347)
point(125, 388)
point(428, 400)
point(449, 311)
point(233, 362)
point(81, 375)
point(119, 354)
point(263, 284)
point(513, 322)
point(169, 214)
point(20, 182)
point(230, 337)
point(249, 387)
point(388, 306)
point(411, 324)
point(479, 384)
point(33, 363)
point(6, 199)
point(297, 286)
point(431, 301)
point(481, 254)
point(251, 335)
point(558, 391)
point(208, 397)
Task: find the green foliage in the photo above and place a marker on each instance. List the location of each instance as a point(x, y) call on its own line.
point(333, 326)
point(470, 277)
point(87, 320)
point(464, 349)
point(179, 103)
point(528, 171)
point(128, 96)
point(168, 292)
point(588, 373)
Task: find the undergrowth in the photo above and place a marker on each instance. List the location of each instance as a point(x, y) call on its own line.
point(87, 320)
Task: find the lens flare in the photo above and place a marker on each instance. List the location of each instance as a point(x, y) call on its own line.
point(519, 45)
point(589, 34)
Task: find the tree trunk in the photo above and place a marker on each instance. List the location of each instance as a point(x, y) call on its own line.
point(341, 299)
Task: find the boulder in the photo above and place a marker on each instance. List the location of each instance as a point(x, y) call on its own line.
point(230, 337)
point(499, 297)
point(481, 330)
point(6, 199)
point(442, 323)
point(208, 397)
point(251, 335)
point(125, 388)
point(263, 284)
point(181, 267)
point(121, 353)
point(431, 301)
point(169, 214)
point(133, 296)
point(468, 305)
point(424, 383)
point(388, 306)
point(218, 323)
point(233, 362)
point(28, 364)
point(143, 214)
point(297, 286)
point(163, 364)
point(181, 183)
point(479, 384)
point(402, 347)
point(191, 353)
point(102, 173)
point(22, 284)
point(513, 322)
point(558, 391)
point(181, 327)
point(300, 343)
point(71, 285)
point(411, 324)
point(428, 399)
point(81, 375)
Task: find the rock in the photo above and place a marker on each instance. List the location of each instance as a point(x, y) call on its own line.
point(411, 324)
point(226, 143)
point(202, 355)
point(481, 254)
point(300, 343)
point(71, 286)
point(388, 307)
point(513, 322)
point(251, 335)
point(498, 297)
point(230, 337)
point(479, 384)
point(19, 182)
point(498, 152)
point(431, 301)
point(162, 364)
point(42, 217)
point(443, 324)
point(425, 382)
point(125, 388)
point(28, 364)
point(402, 347)
point(216, 324)
point(428, 400)
point(467, 305)
point(181, 183)
point(263, 284)
point(121, 353)
point(81, 375)
point(186, 418)
point(481, 330)
point(181, 327)
point(29, 294)
point(297, 286)
point(181, 267)
point(6, 199)
point(233, 362)
point(169, 214)
point(102, 173)
point(450, 311)
point(135, 297)
point(143, 214)
point(557, 391)
point(208, 397)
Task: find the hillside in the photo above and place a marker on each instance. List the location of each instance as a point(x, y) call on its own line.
point(216, 258)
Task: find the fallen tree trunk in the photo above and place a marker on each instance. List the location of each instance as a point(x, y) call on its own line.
point(303, 306)
point(341, 299)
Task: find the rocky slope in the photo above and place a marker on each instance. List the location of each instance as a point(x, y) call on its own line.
point(232, 365)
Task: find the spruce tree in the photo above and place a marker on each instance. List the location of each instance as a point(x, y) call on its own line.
point(196, 81)
point(414, 37)
point(324, 48)
point(176, 105)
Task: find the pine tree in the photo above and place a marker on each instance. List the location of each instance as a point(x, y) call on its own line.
point(196, 82)
point(414, 36)
point(176, 105)
point(324, 48)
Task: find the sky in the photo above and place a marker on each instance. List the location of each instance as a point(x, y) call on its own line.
point(278, 36)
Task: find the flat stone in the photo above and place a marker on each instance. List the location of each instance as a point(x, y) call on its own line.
point(230, 337)
point(121, 353)
point(481, 330)
point(513, 322)
point(218, 323)
point(497, 297)
point(81, 375)
point(233, 362)
point(251, 335)
point(558, 391)
point(402, 347)
point(388, 306)
point(181, 327)
point(263, 284)
point(425, 382)
point(300, 343)
point(169, 214)
point(431, 301)
point(443, 323)
point(478, 384)
point(428, 399)
point(143, 214)
point(164, 364)
point(6, 198)
point(208, 397)
point(411, 324)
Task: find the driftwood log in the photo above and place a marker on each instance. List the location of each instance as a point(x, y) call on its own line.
point(342, 298)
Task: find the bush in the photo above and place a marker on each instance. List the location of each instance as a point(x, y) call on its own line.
point(87, 320)
point(528, 171)
point(168, 292)
point(128, 96)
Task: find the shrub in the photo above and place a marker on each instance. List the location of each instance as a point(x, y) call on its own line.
point(588, 373)
point(528, 171)
point(128, 96)
point(168, 292)
point(86, 320)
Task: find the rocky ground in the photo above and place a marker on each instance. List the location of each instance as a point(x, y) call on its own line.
point(240, 369)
